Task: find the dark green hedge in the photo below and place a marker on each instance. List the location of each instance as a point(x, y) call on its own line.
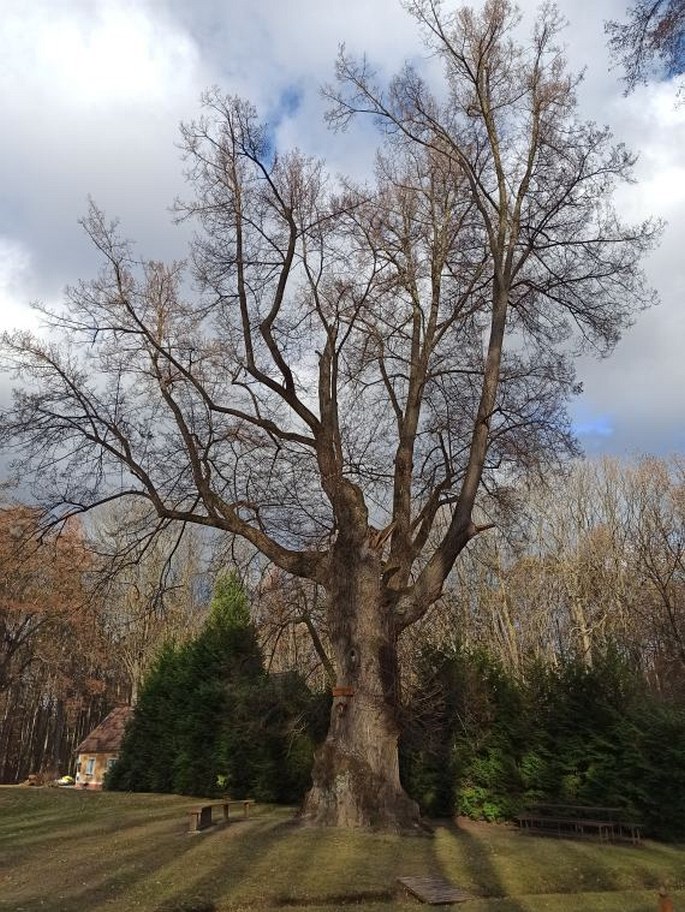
point(480, 742)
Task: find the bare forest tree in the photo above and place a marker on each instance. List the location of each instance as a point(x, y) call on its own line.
point(363, 363)
point(566, 586)
point(150, 587)
point(55, 675)
point(656, 491)
point(41, 588)
point(651, 42)
point(290, 616)
point(597, 567)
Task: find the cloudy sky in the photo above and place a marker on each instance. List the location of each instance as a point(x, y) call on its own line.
point(92, 92)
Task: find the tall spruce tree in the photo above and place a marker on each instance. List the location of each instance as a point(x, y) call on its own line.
point(202, 721)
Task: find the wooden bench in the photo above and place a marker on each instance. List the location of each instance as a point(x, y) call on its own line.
point(577, 821)
point(201, 817)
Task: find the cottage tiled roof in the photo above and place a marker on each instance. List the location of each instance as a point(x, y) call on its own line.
point(107, 736)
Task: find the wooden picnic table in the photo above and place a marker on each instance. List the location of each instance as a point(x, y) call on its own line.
point(565, 820)
point(201, 817)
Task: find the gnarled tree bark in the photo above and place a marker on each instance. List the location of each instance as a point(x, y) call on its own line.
point(356, 773)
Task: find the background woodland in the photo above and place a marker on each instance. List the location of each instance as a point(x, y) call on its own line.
point(554, 666)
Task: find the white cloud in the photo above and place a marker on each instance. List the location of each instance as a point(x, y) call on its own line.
point(91, 94)
point(87, 56)
point(15, 285)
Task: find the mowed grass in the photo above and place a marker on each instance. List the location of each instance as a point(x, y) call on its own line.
point(68, 851)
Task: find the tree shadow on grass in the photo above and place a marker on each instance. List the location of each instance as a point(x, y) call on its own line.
point(107, 878)
point(293, 866)
point(481, 870)
point(128, 876)
point(231, 853)
point(540, 865)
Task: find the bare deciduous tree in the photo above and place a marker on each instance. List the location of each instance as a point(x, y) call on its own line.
point(363, 363)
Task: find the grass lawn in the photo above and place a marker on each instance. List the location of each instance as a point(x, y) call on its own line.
point(71, 851)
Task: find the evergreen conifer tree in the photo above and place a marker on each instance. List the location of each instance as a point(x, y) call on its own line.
point(198, 727)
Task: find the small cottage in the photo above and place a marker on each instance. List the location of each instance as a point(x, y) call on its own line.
point(97, 753)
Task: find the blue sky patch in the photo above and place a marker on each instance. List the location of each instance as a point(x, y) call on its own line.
point(289, 102)
point(585, 424)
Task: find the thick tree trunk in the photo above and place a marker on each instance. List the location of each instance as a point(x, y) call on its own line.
point(356, 780)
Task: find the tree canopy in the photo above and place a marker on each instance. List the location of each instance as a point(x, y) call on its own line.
point(650, 42)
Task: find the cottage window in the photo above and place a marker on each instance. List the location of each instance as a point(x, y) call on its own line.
point(110, 762)
point(90, 766)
